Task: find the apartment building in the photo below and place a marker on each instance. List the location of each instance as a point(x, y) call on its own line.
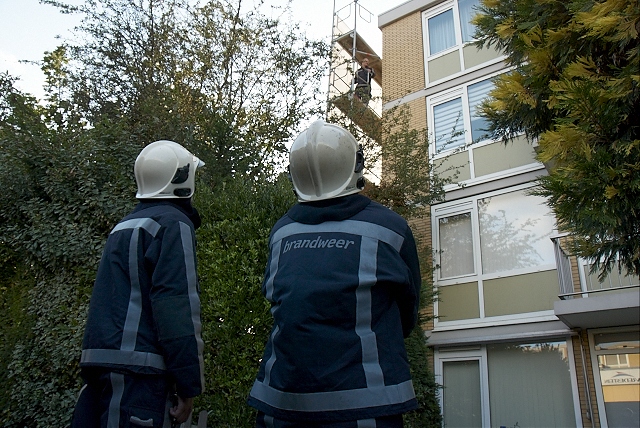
point(523, 336)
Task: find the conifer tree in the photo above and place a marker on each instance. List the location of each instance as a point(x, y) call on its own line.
point(575, 91)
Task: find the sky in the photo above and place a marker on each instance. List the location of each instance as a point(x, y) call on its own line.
point(28, 29)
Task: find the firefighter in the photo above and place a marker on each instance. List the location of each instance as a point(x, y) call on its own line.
point(142, 353)
point(343, 281)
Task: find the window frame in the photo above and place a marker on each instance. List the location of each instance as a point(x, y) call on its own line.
point(462, 92)
point(457, 27)
point(479, 353)
point(604, 423)
point(470, 204)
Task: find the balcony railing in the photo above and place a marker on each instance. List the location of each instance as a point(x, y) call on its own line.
point(587, 283)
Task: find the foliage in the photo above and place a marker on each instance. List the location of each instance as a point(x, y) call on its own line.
point(427, 415)
point(66, 168)
point(219, 79)
point(232, 255)
point(59, 193)
point(575, 89)
point(395, 156)
point(43, 373)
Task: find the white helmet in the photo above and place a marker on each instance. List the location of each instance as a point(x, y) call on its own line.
point(325, 162)
point(164, 170)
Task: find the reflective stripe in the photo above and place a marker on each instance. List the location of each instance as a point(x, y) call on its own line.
point(273, 269)
point(148, 224)
point(334, 400)
point(117, 386)
point(366, 280)
point(119, 357)
point(81, 391)
point(134, 310)
point(272, 359)
point(194, 298)
point(353, 227)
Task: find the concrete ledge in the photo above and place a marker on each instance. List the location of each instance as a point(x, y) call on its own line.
point(600, 310)
point(504, 333)
point(404, 9)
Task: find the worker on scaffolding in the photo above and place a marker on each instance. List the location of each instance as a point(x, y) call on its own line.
point(362, 80)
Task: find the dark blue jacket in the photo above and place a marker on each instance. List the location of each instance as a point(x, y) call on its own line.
point(144, 315)
point(343, 280)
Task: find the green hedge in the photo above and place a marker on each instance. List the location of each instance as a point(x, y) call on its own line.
point(44, 315)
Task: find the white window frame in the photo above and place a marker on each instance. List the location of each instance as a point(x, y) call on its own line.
point(471, 205)
point(460, 91)
point(479, 353)
point(428, 14)
point(476, 353)
point(459, 44)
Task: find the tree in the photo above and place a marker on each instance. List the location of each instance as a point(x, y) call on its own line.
point(575, 89)
point(233, 83)
point(63, 192)
point(141, 71)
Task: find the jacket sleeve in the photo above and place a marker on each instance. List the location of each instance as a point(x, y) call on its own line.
point(175, 302)
point(409, 299)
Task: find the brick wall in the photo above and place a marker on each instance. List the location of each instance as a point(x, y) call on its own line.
point(403, 65)
point(403, 54)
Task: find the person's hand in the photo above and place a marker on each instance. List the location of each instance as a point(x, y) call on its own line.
point(181, 411)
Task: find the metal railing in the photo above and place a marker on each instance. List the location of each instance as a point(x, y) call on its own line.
point(589, 282)
point(563, 264)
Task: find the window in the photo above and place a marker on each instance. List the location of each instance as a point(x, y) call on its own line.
point(462, 399)
point(615, 361)
point(616, 357)
point(456, 119)
point(442, 34)
point(511, 230)
point(514, 232)
point(508, 385)
point(477, 93)
point(450, 25)
point(530, 385)
point(448, 124)
point(456, 256)
point(466, 11)
point(494, 259)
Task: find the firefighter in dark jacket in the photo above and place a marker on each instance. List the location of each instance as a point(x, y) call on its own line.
point(343, 281)
point(142, 353)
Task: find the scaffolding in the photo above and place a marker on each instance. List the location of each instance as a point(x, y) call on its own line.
point(348, 49)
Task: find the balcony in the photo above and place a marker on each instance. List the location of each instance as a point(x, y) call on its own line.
point(585, 302)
